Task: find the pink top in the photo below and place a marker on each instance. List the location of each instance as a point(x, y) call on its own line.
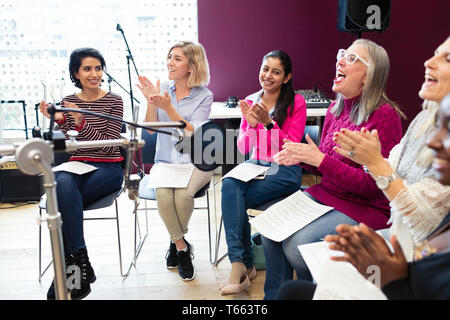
point(345, 185)
point(265, 143)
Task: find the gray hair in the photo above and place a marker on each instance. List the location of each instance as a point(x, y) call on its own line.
point(374, 90)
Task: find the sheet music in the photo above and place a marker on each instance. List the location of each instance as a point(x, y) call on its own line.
point(316, 254)
point(336, 280)
point(341, 281)
point(76, 167)
point(246, 171)
point(284, 218)
point(170, 175)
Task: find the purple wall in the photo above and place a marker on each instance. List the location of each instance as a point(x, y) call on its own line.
point(237, 34)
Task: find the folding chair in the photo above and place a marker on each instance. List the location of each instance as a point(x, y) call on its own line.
point(148, 158)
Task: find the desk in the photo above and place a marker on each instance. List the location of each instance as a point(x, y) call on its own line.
point(220, 111)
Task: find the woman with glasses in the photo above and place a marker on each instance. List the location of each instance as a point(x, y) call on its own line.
point(361, 75)
point(418, 201)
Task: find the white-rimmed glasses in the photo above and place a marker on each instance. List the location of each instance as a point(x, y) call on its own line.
point(350, 57)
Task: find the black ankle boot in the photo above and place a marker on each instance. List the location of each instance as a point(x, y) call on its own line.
point(81, 275)
point(51, 295)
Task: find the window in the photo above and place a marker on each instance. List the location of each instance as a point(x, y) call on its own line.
point(38, 36)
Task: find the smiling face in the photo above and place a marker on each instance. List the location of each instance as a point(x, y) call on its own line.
point(350, 78)
point(90, 73)
point(272, 75)
point(437, 74)
point(440, 143)
point(178, 65)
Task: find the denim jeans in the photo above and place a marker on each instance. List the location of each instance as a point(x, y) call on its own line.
point(284, 257)
point(238, 196)
point(77, 191)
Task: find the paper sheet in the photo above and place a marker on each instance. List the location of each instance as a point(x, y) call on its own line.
point(336, 280)
point(316, 255)
point(341, 281)
point(76, 167)
point(246, 171)
point(170, 175)
point(284, 218)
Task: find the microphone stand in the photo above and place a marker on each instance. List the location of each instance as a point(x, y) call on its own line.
point(35, 156)
point(129, 57)
point(111, 79)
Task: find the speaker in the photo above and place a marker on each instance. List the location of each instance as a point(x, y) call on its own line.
point(358, 16)
point(16, 186)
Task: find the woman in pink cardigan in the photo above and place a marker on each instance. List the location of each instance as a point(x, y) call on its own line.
point(361, 75)
point(269, 116)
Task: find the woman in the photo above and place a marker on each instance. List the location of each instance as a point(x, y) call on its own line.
point(183, 98)
point(418, 201)
point(361, 75)
point(77, 191)
point(269, 116)
point(425, 278)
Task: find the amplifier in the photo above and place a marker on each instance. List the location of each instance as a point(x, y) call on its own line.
point(16, 186)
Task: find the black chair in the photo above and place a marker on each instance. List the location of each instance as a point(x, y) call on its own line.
point(104, 202)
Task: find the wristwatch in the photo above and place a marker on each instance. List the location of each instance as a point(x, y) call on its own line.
point(270, 125)
point(383, 182)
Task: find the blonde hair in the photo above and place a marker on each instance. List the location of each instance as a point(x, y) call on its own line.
point(373, 94)
point(425, 156)
point(198, 63)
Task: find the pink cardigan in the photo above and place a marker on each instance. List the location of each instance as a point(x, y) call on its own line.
point(265, 143)
point(345, 186)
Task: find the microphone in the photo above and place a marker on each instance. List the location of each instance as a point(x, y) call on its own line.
point(51, 109)
point(119, 28)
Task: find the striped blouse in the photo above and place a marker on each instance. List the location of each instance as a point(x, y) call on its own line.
point(95, 128)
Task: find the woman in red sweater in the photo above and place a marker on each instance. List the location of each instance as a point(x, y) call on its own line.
point(361, 76)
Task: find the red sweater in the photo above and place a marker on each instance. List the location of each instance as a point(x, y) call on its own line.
point(345, 186)
point(95, 128)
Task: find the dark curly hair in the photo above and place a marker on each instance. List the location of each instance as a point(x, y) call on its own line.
point(77, 56)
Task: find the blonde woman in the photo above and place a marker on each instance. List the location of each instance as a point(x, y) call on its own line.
point(361, 76)
point(418, 201)
point(183, 98)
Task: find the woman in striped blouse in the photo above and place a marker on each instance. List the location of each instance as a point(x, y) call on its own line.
point(77, 191)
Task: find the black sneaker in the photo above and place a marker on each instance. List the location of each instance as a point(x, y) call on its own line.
point(171, 256)
point(185, 267)
point(87, 276)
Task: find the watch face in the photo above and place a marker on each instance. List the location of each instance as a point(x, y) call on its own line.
point(382, 182)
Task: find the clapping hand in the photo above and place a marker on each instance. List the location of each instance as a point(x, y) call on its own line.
point(247, 114)
point(260, 113)
point(297, 152)
point(363, 146)
point(364, 248)
point(147, 88)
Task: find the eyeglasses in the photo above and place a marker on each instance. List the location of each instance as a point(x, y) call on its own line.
point(350, 57)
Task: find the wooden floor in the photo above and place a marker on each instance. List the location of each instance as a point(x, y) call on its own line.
point(148, 280)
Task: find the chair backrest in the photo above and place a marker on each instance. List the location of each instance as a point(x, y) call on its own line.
point(149, 150)
point(313, 132)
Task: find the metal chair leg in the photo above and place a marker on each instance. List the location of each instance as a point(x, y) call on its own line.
point(216, 260)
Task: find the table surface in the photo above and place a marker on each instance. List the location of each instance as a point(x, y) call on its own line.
point(220, 111)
